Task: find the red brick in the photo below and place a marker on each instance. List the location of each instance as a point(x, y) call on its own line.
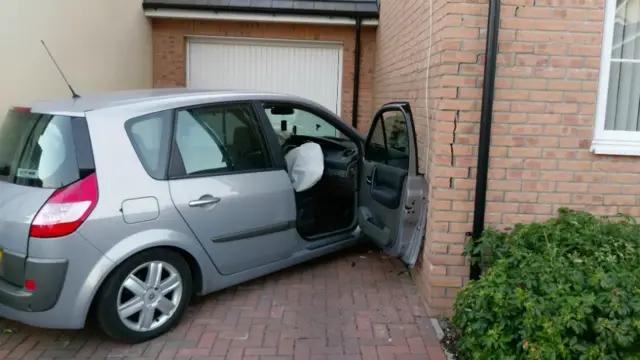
point(192, 352)
point(300, 339)
point(542, 126)
point(207, 340)
point(446, 281)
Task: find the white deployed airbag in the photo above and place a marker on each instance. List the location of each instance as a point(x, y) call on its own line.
point(305, 165)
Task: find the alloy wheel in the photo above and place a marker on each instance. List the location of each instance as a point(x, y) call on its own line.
point(149, 296)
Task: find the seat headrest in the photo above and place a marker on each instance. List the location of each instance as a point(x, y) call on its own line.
point(244, 136)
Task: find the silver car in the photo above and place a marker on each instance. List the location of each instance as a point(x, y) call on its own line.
point(124, 206)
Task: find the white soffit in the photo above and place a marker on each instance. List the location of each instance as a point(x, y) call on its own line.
point(250, 17)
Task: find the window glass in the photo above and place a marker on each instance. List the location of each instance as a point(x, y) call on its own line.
point(299, 122)
point(200, 147)
point(623, 107)
point(38, 150)
point(389, 140)
point(396, 131)
point(220, 139)
point(150, 135)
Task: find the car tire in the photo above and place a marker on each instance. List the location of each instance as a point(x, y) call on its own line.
point(130, 284)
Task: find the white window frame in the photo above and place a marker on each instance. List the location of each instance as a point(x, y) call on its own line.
point(611, 142)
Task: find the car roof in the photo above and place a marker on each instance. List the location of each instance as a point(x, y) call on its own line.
point(83, 104)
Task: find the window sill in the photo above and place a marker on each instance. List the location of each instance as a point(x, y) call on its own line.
point(615, 147)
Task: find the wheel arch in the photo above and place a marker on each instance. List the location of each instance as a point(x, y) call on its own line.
point(194, 268)
point(187, 247)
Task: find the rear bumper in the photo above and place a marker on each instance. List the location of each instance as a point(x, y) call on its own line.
point(67, 272)
point(48, 275)
point(50, 319)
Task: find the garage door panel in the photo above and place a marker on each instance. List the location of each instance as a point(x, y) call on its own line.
point(309, 71)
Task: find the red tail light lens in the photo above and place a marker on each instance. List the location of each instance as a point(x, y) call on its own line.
point(66, 209)
point(30, 285)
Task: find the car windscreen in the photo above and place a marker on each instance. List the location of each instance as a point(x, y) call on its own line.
point(37, 150)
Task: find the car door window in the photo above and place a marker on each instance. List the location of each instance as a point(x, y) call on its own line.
point(219, 139)
point(388, 142)
point(201, 149)
point(289, 120)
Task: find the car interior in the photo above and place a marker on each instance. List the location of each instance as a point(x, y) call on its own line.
point(329, 206)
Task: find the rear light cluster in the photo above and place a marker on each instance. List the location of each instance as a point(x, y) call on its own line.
point(30, 285)
point(66, 209)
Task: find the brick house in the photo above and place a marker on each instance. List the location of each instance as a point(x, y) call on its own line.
point(273, 35)
point(565, 128)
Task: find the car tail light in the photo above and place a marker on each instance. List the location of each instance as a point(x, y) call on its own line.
point(21, 109)
point(66, 209)
point(30, 285)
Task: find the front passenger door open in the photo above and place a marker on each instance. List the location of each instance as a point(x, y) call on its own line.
point(392, 204)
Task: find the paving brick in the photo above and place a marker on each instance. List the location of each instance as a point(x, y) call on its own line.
point(370, 311)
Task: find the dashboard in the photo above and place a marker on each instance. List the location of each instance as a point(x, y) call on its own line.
point(340, 159)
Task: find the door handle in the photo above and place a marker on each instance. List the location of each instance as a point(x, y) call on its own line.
point(369, 179)
point(204, 202)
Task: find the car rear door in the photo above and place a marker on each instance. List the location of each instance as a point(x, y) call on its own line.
point(229, 190)
point(392, 207)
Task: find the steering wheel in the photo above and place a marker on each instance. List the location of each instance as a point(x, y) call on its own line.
point(288, 146)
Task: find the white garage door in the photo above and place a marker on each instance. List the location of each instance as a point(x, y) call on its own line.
point(307, 69)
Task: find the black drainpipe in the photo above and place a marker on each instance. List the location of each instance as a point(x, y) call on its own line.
point(356, 75)
point(484, 143)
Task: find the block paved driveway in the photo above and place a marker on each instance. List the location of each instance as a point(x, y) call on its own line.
point(357, 305)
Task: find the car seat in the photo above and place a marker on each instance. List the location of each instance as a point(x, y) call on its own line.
point(246, 151)
point(306, 197)
point(307, 212)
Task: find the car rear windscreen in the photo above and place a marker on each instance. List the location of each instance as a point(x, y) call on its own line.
point(38, 150)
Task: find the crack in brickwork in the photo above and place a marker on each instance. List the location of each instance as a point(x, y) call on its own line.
point(546, 84)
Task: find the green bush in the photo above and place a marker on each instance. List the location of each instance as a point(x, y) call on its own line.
point(568, 288)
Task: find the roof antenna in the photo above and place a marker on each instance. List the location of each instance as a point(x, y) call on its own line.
point(73, 93)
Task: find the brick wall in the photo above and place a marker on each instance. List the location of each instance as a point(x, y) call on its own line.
point(411, 61)
point(169, 46)
point(543, 125)
point(400, 66)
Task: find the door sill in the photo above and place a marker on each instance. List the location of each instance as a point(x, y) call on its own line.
point(348, 235)
point(328, 235)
